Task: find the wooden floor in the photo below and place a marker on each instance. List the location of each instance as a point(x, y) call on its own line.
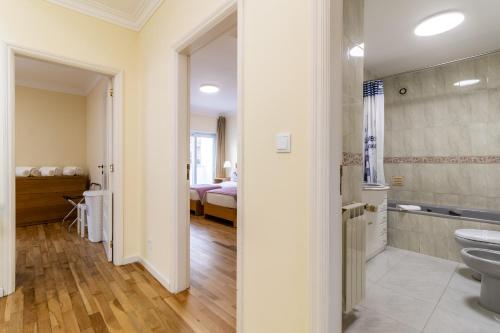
point(64, 284)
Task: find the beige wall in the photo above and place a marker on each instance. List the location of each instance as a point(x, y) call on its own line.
point(276, 232)
point(458, 126)
point(203, 123)
point(40, 25)
point(50, 128)
point(96, 130)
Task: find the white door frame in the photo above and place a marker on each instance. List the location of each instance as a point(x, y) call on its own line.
point(210, 28)
point(326, 159)
point(8, 190)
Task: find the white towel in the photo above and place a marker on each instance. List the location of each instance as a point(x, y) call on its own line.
point(23, 171)
point(50, 171)
point(410, 207)
point(72, 171)
point(35, 172)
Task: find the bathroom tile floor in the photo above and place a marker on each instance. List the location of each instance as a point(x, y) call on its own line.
point(412, 292)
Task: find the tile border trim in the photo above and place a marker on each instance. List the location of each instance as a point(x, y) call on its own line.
point(479, 159)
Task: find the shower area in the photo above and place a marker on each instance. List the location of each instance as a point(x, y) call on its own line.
point(442, 153)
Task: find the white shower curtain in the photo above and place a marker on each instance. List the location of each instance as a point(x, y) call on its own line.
point(373, 124)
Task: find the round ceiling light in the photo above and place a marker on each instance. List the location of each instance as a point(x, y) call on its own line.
point(209, 89)
point(358, 51)
point(439, 23)
point(465, 83)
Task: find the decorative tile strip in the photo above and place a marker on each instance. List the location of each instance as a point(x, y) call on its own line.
point(486, 159)
point(352, 159)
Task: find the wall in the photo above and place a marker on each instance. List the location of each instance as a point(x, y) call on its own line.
point(276, 99)
point(352, 80)
point(96, 130)
point(445, 140)
point(203, 123)
point(50, 128)
point(56, 30)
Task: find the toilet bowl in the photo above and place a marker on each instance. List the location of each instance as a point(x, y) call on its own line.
point(486, 262)
point(475, 238)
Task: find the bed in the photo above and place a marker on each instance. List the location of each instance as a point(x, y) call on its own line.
point(196, 196)
point(222, 202)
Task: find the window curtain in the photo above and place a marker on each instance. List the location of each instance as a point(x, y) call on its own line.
point(373, 124)
point(221, 147)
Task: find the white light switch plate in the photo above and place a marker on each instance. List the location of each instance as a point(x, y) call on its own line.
point(283, 143)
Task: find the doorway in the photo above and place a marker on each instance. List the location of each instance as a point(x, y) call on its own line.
point(68, 145)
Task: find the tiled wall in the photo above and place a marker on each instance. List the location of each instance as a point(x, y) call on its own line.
point(353, 100)
point(444, 139)
point(428, 234)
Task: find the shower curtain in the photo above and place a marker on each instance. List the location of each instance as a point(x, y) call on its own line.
point(373, 125)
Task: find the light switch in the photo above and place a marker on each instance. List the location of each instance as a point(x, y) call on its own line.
point(283, 143)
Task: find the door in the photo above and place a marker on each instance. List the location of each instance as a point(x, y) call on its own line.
point(107, 181)
point(202, 155)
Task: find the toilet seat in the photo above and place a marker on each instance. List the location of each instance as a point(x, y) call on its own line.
point(485, 236)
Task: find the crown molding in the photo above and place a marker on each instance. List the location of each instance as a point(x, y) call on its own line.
point(134, 21)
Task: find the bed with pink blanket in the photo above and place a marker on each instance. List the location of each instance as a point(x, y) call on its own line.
point(197, 194)
point(222, 203)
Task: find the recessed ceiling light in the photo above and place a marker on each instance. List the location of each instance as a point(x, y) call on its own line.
point(465, 83)
point(209, 89)
point(358, 51)
point(439, 23)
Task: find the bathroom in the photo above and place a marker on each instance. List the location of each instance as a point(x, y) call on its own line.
point(422, 153)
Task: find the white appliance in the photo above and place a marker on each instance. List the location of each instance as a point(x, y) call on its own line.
point(376, 228)
point(93, 200)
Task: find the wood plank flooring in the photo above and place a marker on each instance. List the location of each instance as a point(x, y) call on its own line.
point(65, 284)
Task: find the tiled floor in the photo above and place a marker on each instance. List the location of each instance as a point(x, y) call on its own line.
point(412, 292)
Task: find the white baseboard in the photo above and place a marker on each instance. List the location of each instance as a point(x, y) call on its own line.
point(130, 260)
point(157, 275)
point(1, 292)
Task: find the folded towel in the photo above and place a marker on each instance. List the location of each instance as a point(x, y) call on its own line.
point(50, 171)
point(35, 172)
point(23, 171)
point(72, 171)
point(410, 207)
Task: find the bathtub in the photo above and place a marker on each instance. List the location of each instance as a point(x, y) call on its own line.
point(431, 230)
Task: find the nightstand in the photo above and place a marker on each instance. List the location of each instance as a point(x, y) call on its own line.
point(218, 180)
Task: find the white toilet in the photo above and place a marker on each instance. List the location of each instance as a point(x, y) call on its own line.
point(479, 239)
point(486, 262)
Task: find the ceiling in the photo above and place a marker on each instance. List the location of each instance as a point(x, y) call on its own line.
point(391, 46)
point(131, 14)
point(216, 63)
point(54, 77)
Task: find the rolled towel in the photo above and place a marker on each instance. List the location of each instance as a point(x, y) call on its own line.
point(35, 172)
point(72, 171)
point(23, 171)
point(50, 171)
point(410, 207)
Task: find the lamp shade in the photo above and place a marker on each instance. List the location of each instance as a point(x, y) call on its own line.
point(227, 164)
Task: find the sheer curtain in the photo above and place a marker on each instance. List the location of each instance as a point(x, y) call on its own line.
point(373, 124)
point(221, 147)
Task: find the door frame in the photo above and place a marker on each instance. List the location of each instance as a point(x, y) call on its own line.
point(7, 112)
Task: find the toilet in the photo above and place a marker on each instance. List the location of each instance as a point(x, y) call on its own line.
point(486, 262)
point(475, 238)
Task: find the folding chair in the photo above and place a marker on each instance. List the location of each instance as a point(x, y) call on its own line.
point(75, 201)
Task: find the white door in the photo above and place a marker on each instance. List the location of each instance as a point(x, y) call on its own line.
point(107, 181)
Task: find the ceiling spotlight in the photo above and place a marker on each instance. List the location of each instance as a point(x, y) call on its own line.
point(439, 23)
point(465, 83)
point(209, 89)
point(358, 51)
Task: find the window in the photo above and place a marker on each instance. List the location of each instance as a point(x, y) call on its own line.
point(202, 157)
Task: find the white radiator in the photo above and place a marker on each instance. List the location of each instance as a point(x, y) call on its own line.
point(354, 255)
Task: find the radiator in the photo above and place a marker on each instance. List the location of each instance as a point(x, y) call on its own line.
point(354, 255)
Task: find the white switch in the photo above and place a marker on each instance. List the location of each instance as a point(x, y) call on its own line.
point(283, 143)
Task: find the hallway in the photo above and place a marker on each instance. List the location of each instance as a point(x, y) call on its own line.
point(65, 284)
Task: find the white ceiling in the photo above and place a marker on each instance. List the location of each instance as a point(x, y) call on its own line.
point(131, 14)
point(391, 46)
point(54, 77)
point(215, 64)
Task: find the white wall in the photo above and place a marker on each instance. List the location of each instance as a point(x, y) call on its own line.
point(96, 130)
point(50, 128)
point(276, 70)
point(203, 123)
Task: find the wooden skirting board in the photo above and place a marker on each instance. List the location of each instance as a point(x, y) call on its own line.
point(221, 212)
point(40, 199)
